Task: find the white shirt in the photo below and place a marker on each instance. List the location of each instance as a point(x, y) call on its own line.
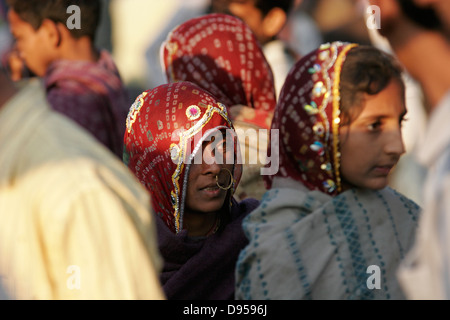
point(280, 62)
point(426, 271)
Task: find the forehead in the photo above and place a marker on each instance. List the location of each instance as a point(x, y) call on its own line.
point(220, 134)
point(225, 5)
point(227, 2)
point(389, 102)
point(17, 24)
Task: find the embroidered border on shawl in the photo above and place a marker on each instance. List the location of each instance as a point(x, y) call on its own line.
point(336, 113)
point(184, 138)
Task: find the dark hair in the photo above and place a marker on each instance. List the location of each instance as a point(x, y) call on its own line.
point(36, 11)
point(266, 5)
point(366, 70)
point(426, 17)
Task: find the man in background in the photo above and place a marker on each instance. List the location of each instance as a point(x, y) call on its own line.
point(266, 18)
point(422, 45)
point(81, 82)
point(75, 223)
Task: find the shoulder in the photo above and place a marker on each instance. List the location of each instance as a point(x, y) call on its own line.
point(382, 205)
point(394, 197)
point(73, 164)
point(90, 176)
point(283, 207)
point(241, 209)
point(248, 205)
point(386, 197)
point(84, 76)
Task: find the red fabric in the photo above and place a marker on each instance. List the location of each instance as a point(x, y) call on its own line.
point(221, 54)
point(164, 127)
point(307, 117)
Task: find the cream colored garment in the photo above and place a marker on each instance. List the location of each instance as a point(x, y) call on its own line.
point(74, 223)
point(3, 295)
point(425, 273)
point(253, 143)
point(280, 61)
point(307, 245)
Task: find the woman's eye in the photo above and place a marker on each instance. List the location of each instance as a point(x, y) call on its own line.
point(221, 148)
point(374, 126)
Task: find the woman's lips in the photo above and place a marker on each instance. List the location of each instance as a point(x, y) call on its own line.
point(383, 170)
point(211, 190)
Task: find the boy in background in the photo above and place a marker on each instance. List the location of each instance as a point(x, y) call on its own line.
point(81, 82)
point(266, 18)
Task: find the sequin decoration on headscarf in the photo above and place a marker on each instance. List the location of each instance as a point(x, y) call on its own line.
point(165, 128)
point(308, 118)
point(220, 53)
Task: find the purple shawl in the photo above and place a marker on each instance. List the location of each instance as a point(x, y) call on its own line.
point(91, 94)
point(203, 269)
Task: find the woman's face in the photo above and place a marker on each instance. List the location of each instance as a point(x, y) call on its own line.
point(372, 144)
point(203, 193)
point(34, 46)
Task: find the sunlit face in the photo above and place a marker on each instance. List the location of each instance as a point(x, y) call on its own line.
point(32, 44)
point(372, 144)
point(244, 10)
point(203, 193)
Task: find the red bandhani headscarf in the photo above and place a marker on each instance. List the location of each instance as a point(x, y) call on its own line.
point(308, 118)
point(165, 128)
point(220, 53)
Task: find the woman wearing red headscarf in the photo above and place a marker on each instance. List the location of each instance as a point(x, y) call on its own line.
point(220, 53)
point(329, 227)
point(182, 146)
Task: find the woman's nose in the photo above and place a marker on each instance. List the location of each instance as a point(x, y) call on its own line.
point(395, 145)
point(210, 162)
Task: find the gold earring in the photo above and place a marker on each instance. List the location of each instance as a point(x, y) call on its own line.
point(231, 180)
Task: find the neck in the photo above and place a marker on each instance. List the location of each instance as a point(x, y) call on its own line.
point(79, 49)
point(200, 224)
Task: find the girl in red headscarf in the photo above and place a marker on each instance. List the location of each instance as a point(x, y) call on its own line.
point(329, 227)
point(220, 54)
point(182, 146)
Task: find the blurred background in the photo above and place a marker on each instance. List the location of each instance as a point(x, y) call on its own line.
point(133, 31)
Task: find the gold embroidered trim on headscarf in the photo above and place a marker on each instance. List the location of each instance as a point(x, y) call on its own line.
point(184, 138)
point(134, 110)
point(336, 113)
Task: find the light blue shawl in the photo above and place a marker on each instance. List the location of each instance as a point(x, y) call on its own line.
point(308, 245)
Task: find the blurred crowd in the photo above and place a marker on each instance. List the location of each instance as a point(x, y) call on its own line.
point(109, 78)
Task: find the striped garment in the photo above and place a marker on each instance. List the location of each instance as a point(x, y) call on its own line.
point(308, 245)
point(92, 95)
